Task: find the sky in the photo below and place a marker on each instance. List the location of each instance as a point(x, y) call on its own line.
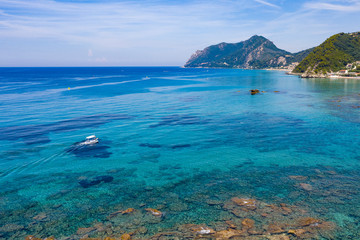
point(159, 32)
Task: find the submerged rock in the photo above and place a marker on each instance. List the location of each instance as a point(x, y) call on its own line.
point(298, 177)
point(40, 217)
point(154, 212)
point(129, 210)
point(228, 234)
point(275, 228)
point(125, 236)
point(85, 183)
point(122, 212)
point(245, 202)
point(150, 145)
point(32, 237)
point(309, 221)
point(180, 146)
point(306, 186)
point(247, 223)
point(297, 232)
point(84, 231)
point(10, 227)
point(202, 230)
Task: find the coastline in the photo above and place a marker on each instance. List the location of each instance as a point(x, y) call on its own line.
point(287, 72)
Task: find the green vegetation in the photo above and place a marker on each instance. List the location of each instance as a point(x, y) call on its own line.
point(332, 55)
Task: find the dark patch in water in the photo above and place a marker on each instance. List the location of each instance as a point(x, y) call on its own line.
point(85, 183)
point(146, 157)
point(37, 140)
point(190, 99)
point(98, 150)
point(36, 134)
point(166, 167)
point(150, 145)
point(301, 95)
point(180, 146)
point(176, 119)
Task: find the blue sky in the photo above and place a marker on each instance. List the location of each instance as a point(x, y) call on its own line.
point(159, 32)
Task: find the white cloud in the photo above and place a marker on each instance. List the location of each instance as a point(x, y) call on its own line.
point(267, 3)
point(156, 32)
point(341, 6)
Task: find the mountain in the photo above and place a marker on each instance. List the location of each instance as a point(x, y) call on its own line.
point(331, 56)
point(254, 53)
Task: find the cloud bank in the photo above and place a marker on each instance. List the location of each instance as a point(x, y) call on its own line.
point(157, 32)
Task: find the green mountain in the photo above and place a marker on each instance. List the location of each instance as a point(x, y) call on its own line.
point(254, 53)
point(331, 56)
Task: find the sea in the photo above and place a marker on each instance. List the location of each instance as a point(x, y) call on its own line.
point(183, 153)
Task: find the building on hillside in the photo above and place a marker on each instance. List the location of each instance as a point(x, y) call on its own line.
point(349, 66)
point(343, 72)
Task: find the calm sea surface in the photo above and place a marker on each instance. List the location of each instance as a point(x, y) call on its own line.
point(187, 152)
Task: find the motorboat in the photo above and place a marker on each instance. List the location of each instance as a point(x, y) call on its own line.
point(90, 140)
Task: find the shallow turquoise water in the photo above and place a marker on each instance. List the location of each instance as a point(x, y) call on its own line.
point(168, 135)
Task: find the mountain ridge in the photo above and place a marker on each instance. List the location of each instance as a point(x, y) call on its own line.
point(255, 53)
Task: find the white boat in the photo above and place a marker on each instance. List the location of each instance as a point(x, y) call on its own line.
point(90, 140)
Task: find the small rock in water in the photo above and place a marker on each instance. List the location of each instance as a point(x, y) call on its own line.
point(125, 236)
point(297, 232)
point(275, 228)
point(40, 217)
point(247, 223)
point(129, 210)
point(202, 230)
point(154, 212)
point(32, 237)
point(306, 186)
point(245, 202)
point(231, 224)
point(308, 221)
point(254, 91)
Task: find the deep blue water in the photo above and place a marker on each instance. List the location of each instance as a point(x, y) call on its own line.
point(174, 139)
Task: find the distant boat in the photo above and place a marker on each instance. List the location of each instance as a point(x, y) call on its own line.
point(90, 140)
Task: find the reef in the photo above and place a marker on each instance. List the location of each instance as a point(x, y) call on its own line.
point(248, 202)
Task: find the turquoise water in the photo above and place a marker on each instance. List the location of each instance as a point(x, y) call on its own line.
point(182, 141)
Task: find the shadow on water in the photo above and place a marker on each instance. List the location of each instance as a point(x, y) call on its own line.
point(98, 150)
point(35, 134)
